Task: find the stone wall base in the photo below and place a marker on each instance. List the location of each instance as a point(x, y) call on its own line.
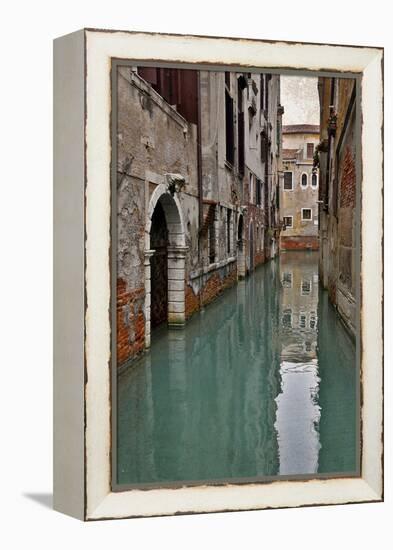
point(216, 283)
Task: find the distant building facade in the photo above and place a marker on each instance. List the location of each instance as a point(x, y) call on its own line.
point(337, 194)
point(199, 155)
point(299, 192)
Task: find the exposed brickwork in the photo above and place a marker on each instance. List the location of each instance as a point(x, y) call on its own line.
point(259, 258)
point(299, 243)
point(192, 302)
point(348, 180)
point(130, 322)
point(214, 286)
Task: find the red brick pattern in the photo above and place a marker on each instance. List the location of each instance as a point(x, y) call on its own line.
point(214, 286)
point(192, 302)
point(259, 258)
point(348, 180)
point(130, 322)
point(299, 243)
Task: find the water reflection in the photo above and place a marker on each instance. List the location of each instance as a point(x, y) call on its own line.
point(247, 389)
point(298, 410)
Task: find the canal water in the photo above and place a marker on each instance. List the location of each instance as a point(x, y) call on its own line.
point(261, 383)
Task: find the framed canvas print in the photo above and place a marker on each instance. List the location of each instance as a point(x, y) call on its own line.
point(218, 274)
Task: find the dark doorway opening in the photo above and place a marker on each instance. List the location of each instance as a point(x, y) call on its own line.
point(159, 267)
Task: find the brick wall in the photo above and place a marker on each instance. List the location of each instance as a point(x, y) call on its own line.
point(130, 322)
point(348, 180)
point(299, 243)
point(215, 285)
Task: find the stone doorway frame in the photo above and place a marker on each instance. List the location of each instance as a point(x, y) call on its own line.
point(176, 257)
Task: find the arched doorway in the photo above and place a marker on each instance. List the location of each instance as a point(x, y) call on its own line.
point(159, 267)
point(165, 253)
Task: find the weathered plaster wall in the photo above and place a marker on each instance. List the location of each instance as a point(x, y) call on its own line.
point(163, 143)
point(338, 197)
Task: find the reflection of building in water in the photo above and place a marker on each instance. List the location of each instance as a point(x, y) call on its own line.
point(211, 390)
point(298, 411)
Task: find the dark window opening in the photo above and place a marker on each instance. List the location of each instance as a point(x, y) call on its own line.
point(229, 213)
point(288, 186)
point(179, 88)
point(212, 240)
point(259, 192)
point(229, 134)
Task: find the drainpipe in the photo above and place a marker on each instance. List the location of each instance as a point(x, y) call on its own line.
point(200, 188)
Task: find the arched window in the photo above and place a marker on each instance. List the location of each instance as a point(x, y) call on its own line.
point(304, 180)
point(314, 180)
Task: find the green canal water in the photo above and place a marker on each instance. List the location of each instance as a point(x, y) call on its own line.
point(263, 382)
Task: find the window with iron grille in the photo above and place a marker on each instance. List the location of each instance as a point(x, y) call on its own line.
point(288, 221)
point(306, 214)
point(288, 183)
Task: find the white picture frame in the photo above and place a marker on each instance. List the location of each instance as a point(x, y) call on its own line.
point(82, 208)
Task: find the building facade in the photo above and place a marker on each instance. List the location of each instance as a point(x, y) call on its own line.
point(299, 192)
point(198, 159)
point(337, 194)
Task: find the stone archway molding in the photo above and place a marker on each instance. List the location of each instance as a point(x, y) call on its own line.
point(166, 193)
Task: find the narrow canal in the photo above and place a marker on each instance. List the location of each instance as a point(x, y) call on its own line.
point(261, 383)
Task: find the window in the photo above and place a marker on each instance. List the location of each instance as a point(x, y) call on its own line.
point(307, 346)
point(259, 192)
point(288, 184)
point(302, 320)
point(306, 287)
point(313, 320)
point(229, 136)
point(212, 239)
point(306, 214)
point(288, 221)
point(287, 279)
point(304, 180)
point(229, 215)
point(251, 191)
point(314, 180)
point(310, 150)
point(264, 147)
point(287, 318)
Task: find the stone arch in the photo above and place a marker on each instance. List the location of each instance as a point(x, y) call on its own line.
point(176, 253)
